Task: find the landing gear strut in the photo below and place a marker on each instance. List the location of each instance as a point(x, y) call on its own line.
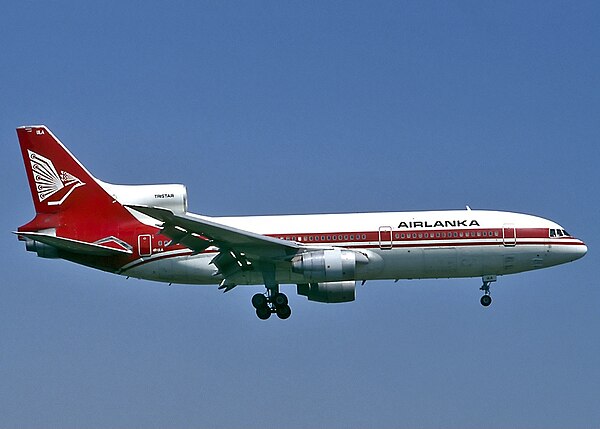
point(486, 299)
point(271, 302)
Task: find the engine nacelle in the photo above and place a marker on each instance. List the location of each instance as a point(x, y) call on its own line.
point(326, 265)
point(329, 292)
point(170, 196)
point(43, 250)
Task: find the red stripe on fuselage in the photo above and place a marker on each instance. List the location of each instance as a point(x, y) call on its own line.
point(412, 239)
point(412, 235)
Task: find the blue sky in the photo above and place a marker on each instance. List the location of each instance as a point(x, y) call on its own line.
point(304, 107)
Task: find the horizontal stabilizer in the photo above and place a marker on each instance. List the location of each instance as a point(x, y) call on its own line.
point(74, 246)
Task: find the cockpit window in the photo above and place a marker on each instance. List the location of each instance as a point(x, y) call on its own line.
point(559, 233)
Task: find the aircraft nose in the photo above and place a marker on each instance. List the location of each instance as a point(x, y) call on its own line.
point(581, 250)
point(576, 249)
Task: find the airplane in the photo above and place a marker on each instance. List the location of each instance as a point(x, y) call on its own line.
point(146, 232)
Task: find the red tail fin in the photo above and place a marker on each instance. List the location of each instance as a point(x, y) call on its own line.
point(53, 173)
point(65, 195)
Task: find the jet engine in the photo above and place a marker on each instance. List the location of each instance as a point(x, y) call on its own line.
point(42, 250)
point(171, 196)
point(325, 265)
point(328, 292)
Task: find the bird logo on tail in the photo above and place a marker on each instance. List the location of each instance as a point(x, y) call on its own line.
point(49, 183)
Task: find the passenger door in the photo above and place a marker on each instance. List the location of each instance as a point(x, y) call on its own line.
point(509, 235)
point(385, 237)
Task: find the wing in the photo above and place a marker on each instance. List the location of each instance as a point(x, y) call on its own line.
point(219, 235)
point(239, 250)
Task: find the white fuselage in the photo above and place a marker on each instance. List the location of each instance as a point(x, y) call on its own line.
point(398, 245)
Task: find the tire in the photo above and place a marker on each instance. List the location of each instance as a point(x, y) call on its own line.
point(486, 300)
point(263, 313)
point(284, 311)
point(259, 301)
point(280, 300)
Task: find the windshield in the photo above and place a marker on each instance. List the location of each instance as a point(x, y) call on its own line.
point(555, 232)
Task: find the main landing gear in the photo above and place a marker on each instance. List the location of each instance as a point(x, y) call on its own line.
point(486, 299)
point(271, 302)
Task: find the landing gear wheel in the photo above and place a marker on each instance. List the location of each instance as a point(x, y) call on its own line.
point(271, 302)
point(284, 311)
point(264, 313)
point(279, 299)
point(259, 301)
point(486, 300)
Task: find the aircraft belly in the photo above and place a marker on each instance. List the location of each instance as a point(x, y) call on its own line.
point(413, 263)
point(402, 263)
point(436, 262)
point(187, 269)
point(527, 257)
point(448, 262)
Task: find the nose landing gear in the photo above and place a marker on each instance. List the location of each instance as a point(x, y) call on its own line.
point(486, 299)
point(271, 302)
